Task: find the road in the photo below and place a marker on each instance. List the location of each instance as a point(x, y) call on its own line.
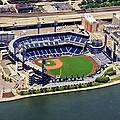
point(50, 19)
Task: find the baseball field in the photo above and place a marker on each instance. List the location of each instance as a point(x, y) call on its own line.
point(69, 66)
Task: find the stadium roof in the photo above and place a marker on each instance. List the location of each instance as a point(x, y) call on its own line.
point(90, 18)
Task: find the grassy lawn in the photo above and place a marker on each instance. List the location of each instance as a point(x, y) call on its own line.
point(73, 66)
point(117, 78)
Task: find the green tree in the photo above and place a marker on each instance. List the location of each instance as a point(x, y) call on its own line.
point(41, 90)
point(75, 86)
point(98, 1)
point(102, 79)
point(21, 92)
point(104, 1)
point(68, 87)
point(83, 2)
point(33, 91)
point(53, 89)
point(30, 91)
point(45, 90)
point(64, 87)
point(91, 84)
point(57, 88)
point(80, 86)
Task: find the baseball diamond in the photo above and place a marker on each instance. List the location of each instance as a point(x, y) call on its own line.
point(70, 65)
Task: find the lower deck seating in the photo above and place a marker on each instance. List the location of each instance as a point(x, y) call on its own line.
point(53, 52)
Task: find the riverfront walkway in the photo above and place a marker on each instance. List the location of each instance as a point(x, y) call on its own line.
point(58, 92)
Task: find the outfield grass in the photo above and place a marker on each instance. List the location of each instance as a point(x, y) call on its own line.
point(76, 66)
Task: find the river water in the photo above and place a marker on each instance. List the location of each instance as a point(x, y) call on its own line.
point(99, 104)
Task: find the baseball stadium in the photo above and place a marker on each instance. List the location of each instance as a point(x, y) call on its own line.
point(59, 57)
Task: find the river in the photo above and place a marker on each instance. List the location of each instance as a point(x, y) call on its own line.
point(99, 104)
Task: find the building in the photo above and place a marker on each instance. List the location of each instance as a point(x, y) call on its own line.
point(26, 1)
point(89, 23)
point(50, 8)
point(26, 7)
point(62, 6)
point(116, 19)
point(7, 9)
point(5, 38)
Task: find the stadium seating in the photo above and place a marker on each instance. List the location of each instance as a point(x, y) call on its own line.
point(47, 45)
point(53, 52)
point(102, 57)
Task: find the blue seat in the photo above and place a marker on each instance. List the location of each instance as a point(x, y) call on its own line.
point(27, 46)
point(51, 43)
point(64, 49)
point(72, 50)
point(77, 39)
point(47, 50)
point(36, 52)
point(44, 52)
point(40, 52)
point(40, 39)
point(51, 38)
point(68, 48)
point(36, 45)
point(34, 39)
point(31, 53)
point(62, 37)
point(72, 38)
point(56, 42)
point(31, 45)
point(78, 51)
point(52, 51)
point(58, 50)
point(83, 40)
point(41, 44)
point(56, 37)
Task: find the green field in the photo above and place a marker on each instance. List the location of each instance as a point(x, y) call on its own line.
point(76, 66)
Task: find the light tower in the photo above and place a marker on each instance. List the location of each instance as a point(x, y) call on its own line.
point(55, 25)
point(105, 40)
point(43, 70)
point(38, 26)
point(114, 55)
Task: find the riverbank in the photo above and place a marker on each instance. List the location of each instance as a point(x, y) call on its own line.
point(59, 92)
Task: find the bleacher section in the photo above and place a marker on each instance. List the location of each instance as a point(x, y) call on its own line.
point(94, 58)
point(102, 57)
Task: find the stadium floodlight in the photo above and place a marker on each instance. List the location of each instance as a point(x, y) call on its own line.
point(55, 25)
point(43, 70)
point(38, 26)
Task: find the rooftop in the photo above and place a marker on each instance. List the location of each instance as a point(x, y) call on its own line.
point(90, 18)
point(111, 26)
point(63, 5)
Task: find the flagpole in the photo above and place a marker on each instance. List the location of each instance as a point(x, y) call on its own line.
point(60, 72)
